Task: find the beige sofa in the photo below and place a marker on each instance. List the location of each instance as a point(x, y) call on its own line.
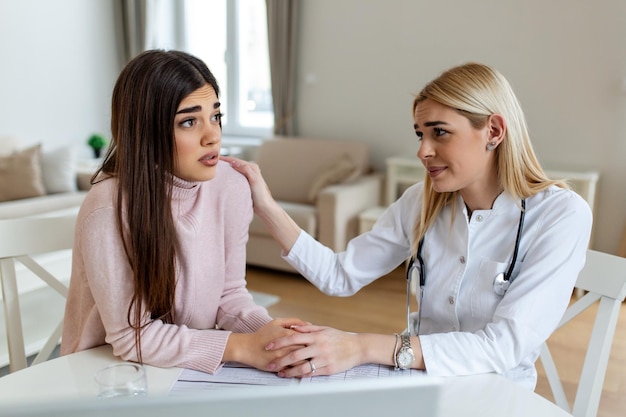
point(322, 184)
point(34, 181)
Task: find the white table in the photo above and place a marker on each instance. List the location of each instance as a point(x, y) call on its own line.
point(71, 378)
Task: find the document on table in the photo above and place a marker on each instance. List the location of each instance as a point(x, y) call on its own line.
point(236, 376)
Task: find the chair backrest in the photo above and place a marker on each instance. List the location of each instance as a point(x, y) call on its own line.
point(20, 239)
point(604, 280)
point(584, 183)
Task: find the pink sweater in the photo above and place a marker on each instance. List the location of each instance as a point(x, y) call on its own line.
point(212, 220)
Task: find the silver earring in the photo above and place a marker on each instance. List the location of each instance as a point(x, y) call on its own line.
point(491, 146)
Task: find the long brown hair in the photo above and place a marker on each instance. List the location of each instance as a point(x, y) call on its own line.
point(477, 91)
point(141, 158)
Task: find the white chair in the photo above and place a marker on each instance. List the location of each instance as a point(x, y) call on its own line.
point(19, 240)
point(582, 182)
point(603, 278)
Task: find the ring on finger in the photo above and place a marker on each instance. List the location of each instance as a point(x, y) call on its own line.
point(313, 368)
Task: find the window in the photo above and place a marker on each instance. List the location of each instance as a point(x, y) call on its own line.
point(231, 37)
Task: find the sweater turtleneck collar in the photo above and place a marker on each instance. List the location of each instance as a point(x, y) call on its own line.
point(184, 189)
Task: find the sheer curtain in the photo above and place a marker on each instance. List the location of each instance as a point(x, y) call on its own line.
point(282, 23)
point(148, 24)
point(131, 17)
point(138, 20)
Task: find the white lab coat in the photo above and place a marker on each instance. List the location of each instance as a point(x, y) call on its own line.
point(465, 327)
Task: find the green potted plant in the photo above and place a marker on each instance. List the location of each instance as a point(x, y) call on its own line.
point(97, 142)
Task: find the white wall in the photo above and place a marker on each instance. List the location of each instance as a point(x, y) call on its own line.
point(361, 62)
point(58, 67)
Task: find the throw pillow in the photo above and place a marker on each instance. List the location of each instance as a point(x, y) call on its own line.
point(334, 172)
point(58, 169)
point(20, 175)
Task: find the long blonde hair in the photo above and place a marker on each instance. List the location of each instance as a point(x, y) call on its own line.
point(477, 91)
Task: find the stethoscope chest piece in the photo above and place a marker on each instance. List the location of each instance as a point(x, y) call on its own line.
point(500, 285)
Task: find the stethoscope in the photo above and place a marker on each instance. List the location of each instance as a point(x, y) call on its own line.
point(501, 282)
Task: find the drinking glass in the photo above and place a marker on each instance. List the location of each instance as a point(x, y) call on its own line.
point(121, 380)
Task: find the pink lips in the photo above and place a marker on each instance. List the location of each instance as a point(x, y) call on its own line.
point(210, 159)
point(435, 171)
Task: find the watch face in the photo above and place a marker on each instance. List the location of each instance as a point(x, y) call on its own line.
point(405, 358)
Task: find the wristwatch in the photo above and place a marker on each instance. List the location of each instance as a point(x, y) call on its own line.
point(405, 356)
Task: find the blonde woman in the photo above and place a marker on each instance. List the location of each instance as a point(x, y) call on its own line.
point(496, 245)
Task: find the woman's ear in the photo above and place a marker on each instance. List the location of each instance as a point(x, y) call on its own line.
point(497, 128)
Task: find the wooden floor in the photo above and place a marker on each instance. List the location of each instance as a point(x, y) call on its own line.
point(380, 308)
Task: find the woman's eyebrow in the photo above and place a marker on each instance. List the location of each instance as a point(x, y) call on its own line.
point(430, 124)
point(189, 109)
point(193, 109)
point(435, 123)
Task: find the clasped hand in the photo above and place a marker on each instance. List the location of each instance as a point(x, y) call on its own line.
point(330, 350)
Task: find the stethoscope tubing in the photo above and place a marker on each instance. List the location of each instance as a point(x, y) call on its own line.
point(499, 287)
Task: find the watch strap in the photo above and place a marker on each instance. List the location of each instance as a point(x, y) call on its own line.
point(395, 352)
point(405, 347)
point(406, 341)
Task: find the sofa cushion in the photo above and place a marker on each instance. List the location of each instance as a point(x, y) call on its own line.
point(291, 165)
point(53, 203)
point(337, 171)
point(58, 167)
point(303, 214)
point(20, 175)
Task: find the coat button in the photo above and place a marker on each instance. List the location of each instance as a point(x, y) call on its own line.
point(479, 218)
point(451, 300)
point(462, 259)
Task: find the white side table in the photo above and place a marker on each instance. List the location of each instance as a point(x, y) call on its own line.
point(85, 168)
point(402, 172)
